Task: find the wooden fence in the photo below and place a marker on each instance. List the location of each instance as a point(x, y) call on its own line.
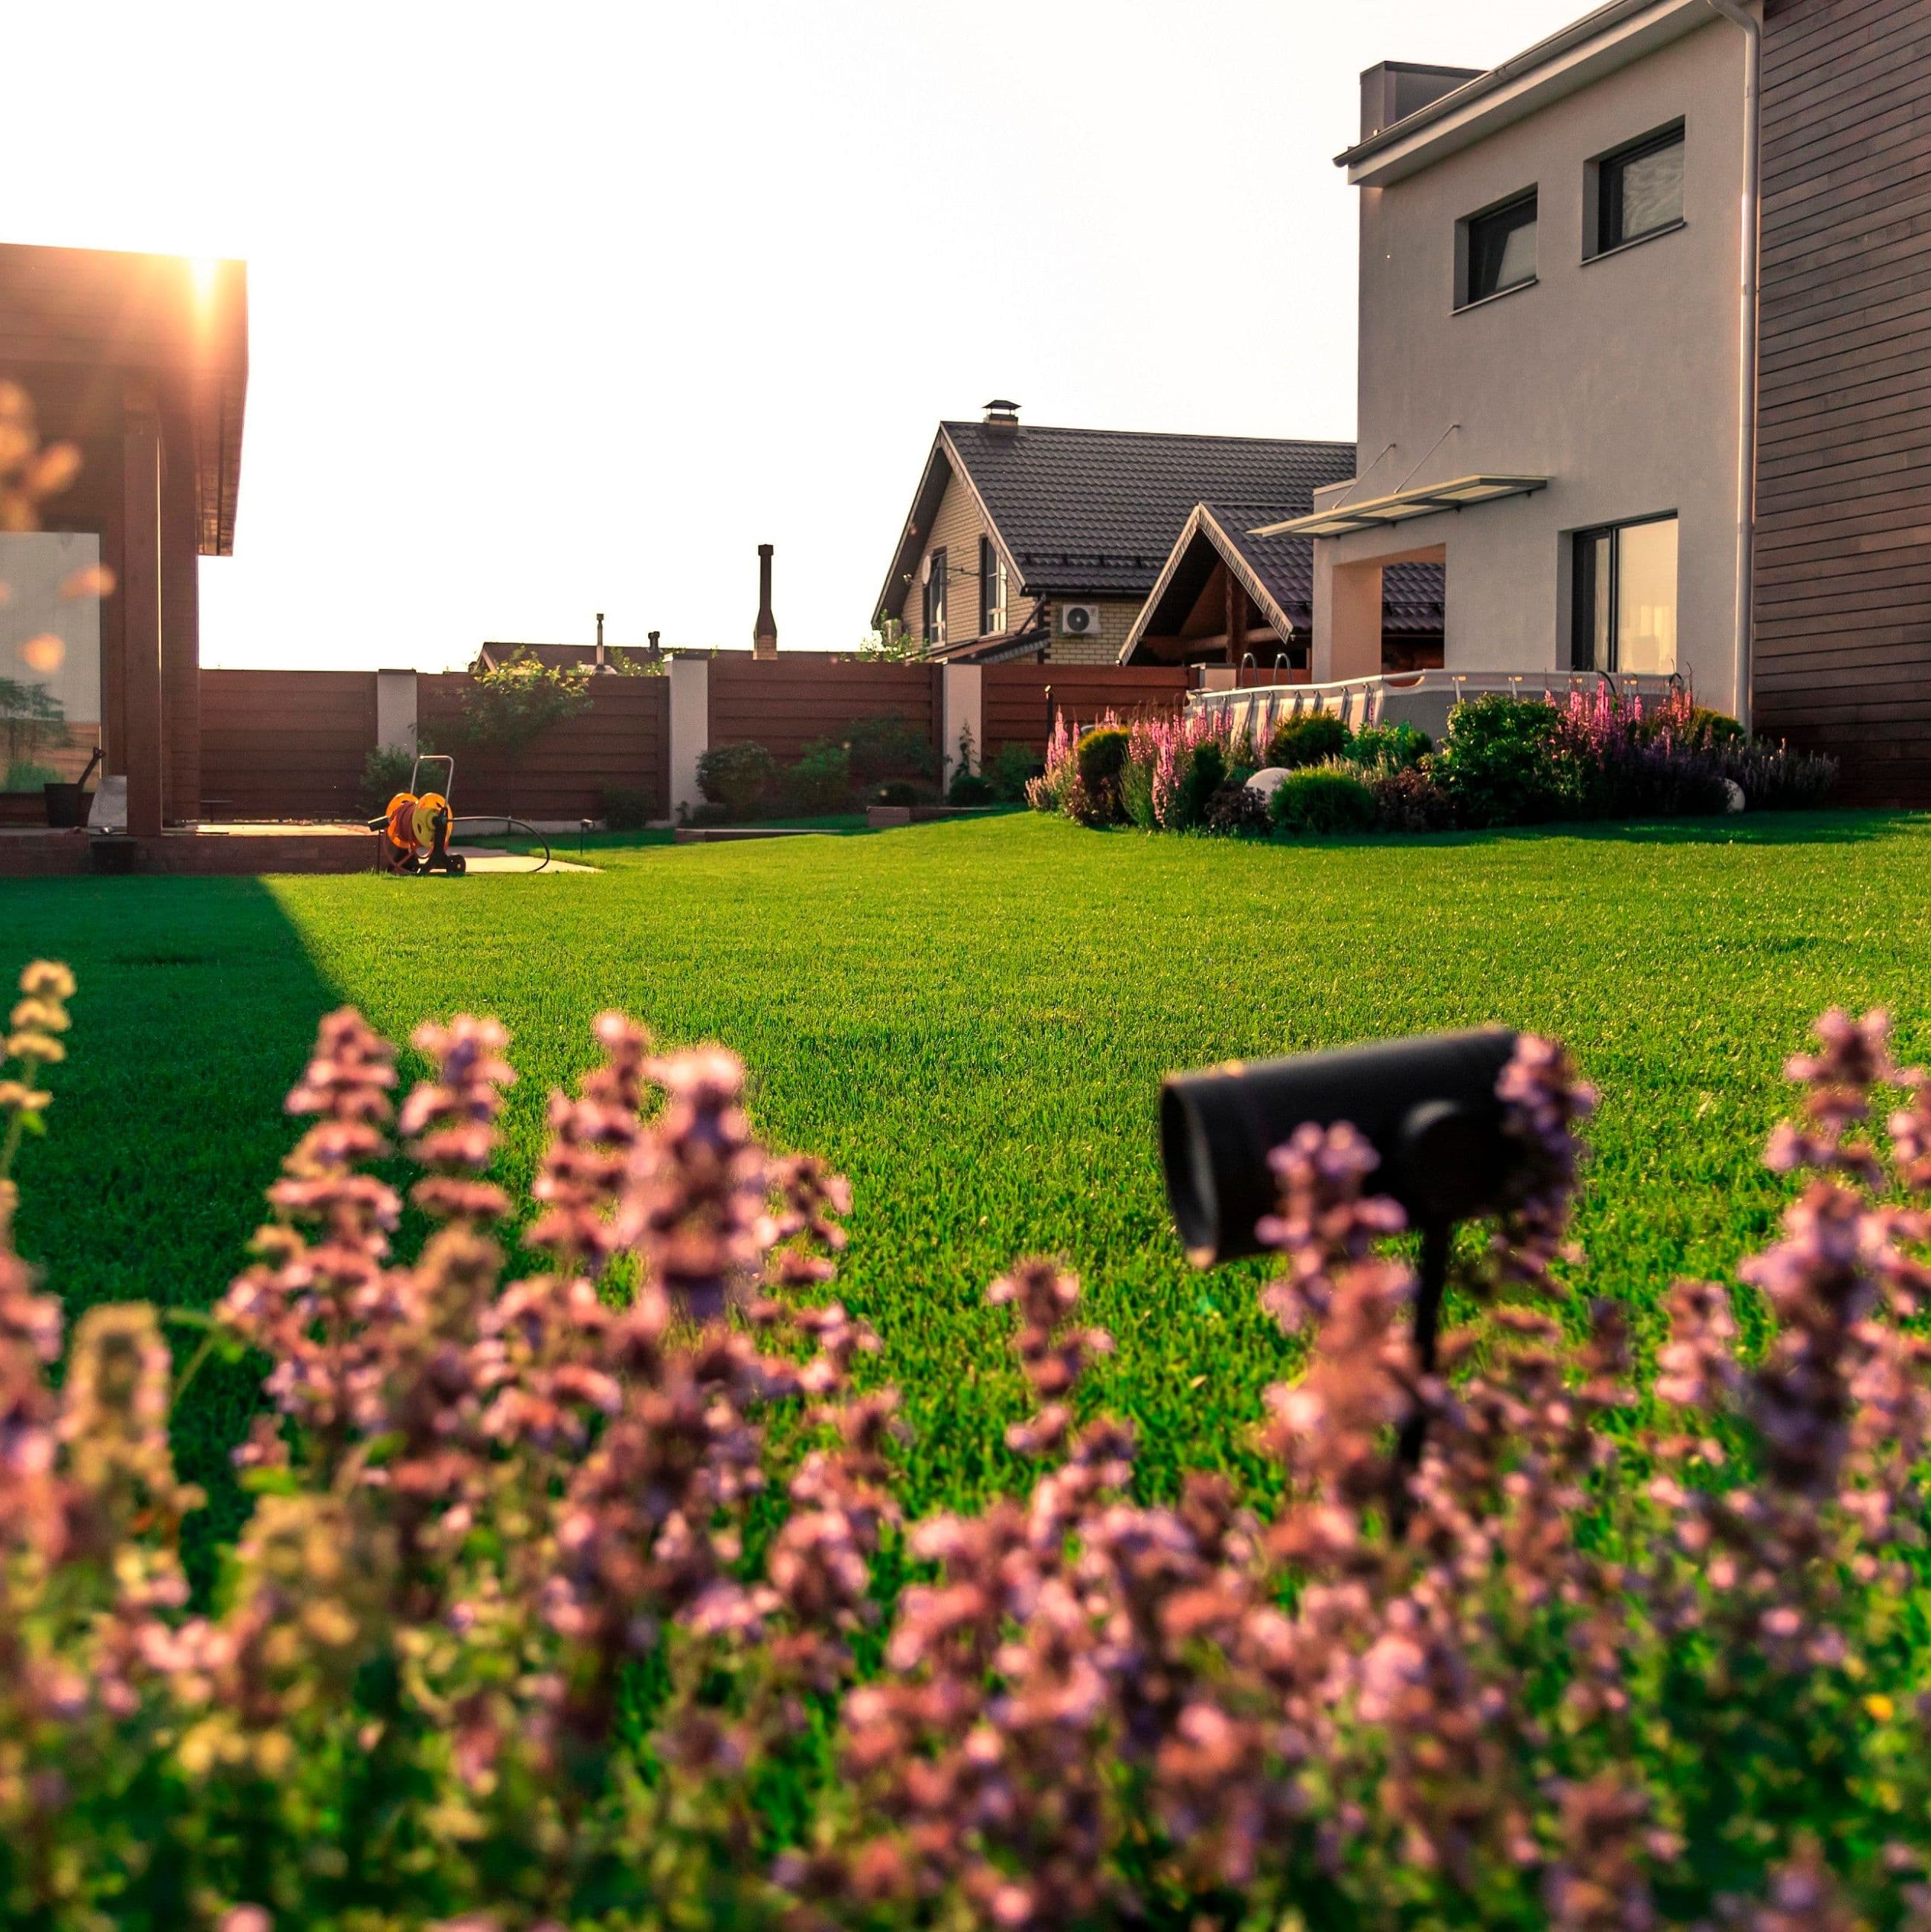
point(285, 744)
point(1021, 701)
point(621, 743)
point(784, 703)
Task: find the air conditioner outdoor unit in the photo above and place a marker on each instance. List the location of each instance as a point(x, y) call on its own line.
point(1079, 620)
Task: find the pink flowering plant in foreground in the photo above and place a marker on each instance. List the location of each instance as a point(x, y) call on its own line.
point(533, 1625)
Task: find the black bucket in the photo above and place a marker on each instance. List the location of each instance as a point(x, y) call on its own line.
point(68, 805)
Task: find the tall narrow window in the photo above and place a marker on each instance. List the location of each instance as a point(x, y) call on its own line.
point(1639, 190)
point(1499, 249)
point(935, 598)
point(991, 589)
point(1626, 597)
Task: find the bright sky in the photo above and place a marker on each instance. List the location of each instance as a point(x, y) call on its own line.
point(563, 308)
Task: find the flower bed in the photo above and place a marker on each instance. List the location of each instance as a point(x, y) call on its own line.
point(1504, 761)
point(530, 1626)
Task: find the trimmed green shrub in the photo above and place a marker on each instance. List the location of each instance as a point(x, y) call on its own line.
point(1100, 759)
point(891, 747)
point(734, 776)
point(1389, 747)
point(1296, 742)
point(1708, 730)
point(821, 781)
point(897, 791)
point(971, 788)
point(1010, 770)
point(626, 809)
point(1499, 762)
point(1324, 798)
point(1202, 774)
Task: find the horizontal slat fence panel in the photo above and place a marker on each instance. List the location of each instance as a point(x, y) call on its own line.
point(1020, 700)
point(785, 703)
point(285, 744)
point(621, 743)
point(1844, 489)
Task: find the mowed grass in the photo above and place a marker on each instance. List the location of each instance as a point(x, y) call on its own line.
point(971, 1020)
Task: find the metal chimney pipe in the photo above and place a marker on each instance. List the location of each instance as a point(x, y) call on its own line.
point(600, 641)
point(764, 634)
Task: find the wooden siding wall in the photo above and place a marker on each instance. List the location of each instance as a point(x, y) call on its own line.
point(1843, 582)
point(285, 744)
point(1019, 700)
point(621, 743)
point(785, 703)
point(958, 527)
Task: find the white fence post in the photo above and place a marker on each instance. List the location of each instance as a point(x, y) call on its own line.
point(961, 708)
point(690, 727)
point(395, 710)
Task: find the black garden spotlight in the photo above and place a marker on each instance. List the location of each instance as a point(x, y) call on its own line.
point(1427, 1107)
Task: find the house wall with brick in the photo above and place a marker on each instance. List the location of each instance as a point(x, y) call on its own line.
point(1117, 618)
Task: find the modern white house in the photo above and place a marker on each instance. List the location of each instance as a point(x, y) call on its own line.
point(1554, 334)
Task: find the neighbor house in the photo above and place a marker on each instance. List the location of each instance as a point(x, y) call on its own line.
point(1025, 541)
point(137, 365)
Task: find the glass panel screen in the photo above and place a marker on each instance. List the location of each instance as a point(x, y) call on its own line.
point(49, 657)
point(1646, 597)
point(1501, 249)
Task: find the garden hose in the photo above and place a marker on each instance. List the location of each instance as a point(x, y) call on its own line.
point(490, 817)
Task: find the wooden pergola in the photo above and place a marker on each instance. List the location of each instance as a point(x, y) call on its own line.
point(141, 361)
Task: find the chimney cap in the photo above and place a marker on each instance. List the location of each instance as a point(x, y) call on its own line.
point(999, 410)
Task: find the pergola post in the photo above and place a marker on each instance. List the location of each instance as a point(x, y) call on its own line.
point(140, 591)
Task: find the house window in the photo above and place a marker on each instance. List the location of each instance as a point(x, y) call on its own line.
point(50, 708)
point(1626, 597)
point(1497, 250)
point(935, 598)
point(991, 589)
point(1639, 190)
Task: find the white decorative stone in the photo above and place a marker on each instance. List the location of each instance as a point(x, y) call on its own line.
point(1268, 782)
point(1733, 796)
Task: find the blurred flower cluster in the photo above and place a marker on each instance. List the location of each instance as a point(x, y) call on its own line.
point(538, 1620)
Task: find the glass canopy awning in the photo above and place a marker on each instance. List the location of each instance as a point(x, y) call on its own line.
point(1344, 519)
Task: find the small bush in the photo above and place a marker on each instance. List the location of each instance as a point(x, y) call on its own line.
point(895, 791)
point(821, 781)
point(1498, 763)
point(1323, 800)
point(971, 788)
point(625, 810)
point(1775, 779)
point(1312, 740)
point(734, 776)
point(1708, 730)
point(891, 747)
point(1202, 773)
point(1010, 770)
point(1410, 800)
point(1389, 747)
point(1235, 811)
point(1099, 760)
point(386, 771)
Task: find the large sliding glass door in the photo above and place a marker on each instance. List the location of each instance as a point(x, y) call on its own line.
point(1625, 614)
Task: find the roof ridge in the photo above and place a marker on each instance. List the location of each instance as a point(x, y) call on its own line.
point(1171, 435)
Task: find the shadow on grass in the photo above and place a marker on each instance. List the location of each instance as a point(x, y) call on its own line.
point(167, 1122)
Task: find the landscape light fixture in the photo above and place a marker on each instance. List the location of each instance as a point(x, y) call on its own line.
point(1427, 1107)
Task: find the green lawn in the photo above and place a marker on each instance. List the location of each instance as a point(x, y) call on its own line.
point(971, 1020)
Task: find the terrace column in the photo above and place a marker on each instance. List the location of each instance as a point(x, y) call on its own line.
point(1347, 617)
point(140, 592)
point(690, 727)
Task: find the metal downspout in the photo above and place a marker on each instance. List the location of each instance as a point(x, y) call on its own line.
point(1746, 437)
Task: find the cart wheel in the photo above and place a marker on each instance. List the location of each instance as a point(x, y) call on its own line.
point(457, 863)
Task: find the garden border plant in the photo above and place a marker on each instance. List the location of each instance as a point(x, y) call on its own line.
point(509, 1638)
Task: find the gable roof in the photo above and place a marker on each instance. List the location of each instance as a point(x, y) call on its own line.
point(1277, 572)
point(1092, 512)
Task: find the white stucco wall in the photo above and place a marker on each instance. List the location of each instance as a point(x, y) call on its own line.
point(1616, 378)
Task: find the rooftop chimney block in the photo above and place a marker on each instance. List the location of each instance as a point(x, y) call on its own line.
point(1396, 89)
point(1003, 414)
point(764, 633)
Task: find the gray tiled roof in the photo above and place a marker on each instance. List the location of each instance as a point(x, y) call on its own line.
point(1411, 593)
point(1096, 511)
